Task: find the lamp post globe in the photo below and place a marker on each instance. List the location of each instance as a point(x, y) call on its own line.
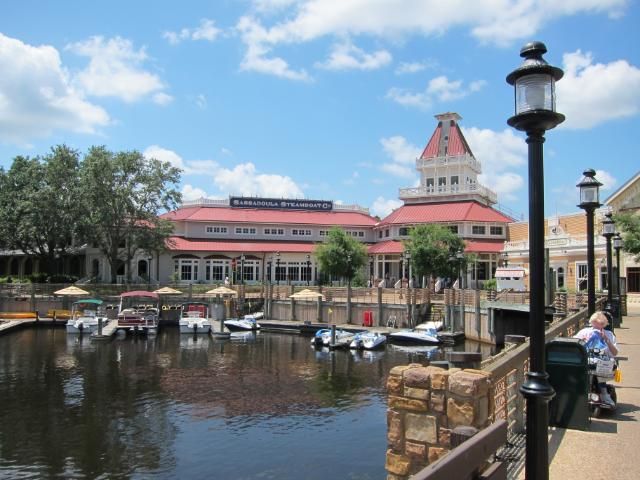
point(589, 202)
point(535, 112)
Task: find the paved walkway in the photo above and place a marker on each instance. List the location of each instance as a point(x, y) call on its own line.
point(611, 449)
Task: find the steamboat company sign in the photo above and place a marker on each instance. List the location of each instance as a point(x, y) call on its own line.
point(281, 203)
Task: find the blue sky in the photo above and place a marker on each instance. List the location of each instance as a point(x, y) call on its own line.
point(323, 99)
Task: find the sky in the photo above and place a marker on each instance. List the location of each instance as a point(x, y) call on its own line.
point(321, 99)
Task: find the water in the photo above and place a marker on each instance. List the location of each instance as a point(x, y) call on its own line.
point(264, 406)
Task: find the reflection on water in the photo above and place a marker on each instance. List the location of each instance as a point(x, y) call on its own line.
point(258, 405)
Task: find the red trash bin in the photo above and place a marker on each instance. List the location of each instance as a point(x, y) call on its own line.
point(367, 320)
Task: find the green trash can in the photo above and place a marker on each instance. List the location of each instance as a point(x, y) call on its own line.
point(567, 368)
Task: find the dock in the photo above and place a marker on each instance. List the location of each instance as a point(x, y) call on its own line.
point(108, 331)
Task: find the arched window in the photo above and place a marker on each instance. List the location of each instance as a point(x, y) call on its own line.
point(560, 277)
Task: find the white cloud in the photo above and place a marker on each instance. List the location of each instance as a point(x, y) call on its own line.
point(162, 98)
point(192, 167)
point(201, 101)
point(508, 185)
point(412, 67)
point(592, 93)
point(205, 31)
point(608, 181)
point(256, 60)
point(500, 153)
point(114, 70)
point(244, 179)
point(37, 97)
point(439, 89)
point(383, 207)
point(496, 151)
point(346, 56)
point(400, 150)
point(403, 155)
point(189, 192)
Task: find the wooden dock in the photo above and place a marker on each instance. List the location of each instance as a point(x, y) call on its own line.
point(108, 331)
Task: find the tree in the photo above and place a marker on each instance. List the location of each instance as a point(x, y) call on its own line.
point(40, 204)
point(431, 246)
point(630, 229)
point(341, 255)
point(124, 193)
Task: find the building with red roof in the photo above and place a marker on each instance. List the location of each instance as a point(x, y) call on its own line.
point(449, 194)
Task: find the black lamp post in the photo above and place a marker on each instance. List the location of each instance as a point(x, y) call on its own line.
point(505, 259)
point(617, 245)
point(608, 231)
point(589, 201)
point(371, 270)
point(242, 269)
point(268, 273)
point(277, 268)
point(308, 268)
point(535, 112)
point(460, 259)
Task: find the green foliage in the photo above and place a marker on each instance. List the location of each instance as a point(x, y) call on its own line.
point(40, 204)
point(431, 247)
point(341, 255)
point(629, 224)
point(491, 284)
point(124, 193)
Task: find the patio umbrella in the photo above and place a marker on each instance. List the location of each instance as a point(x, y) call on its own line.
point(307, 294)
point(71, 291)
point(221, 291)
point(167, 291)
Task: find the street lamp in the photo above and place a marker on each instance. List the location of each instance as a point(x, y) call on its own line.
point(371, 269)
point(308, 268)
point(242, 269)
point(277, 268)
point(608, 231)
point(407, 258)
point(505, 259)
point(460, 259)
point(269, 264)
point(534, 89)
point(589, 201)
point(617, 245)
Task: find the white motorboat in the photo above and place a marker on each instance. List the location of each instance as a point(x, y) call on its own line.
point(415, 336)
point(139, 317)
point(194, 318)
point(248, 323)
point(323, 338)
point(368, 341)
point(431, 325)
point(85, 316)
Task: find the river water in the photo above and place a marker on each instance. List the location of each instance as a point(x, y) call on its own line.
point(265, 406)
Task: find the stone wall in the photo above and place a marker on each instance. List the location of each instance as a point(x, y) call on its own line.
point(425, 404)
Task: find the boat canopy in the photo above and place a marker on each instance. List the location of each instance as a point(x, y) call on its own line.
point(139, 293)
point(93, 301)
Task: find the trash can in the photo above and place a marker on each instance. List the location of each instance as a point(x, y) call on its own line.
point(367, 319)
point(567, 369)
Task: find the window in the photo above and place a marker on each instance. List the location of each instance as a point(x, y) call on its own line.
point(454, 179)
point(379, 233)
point(430, 184)
point(216, 229)
point(216, 270)
point(245, 231)
point(453, 228)
point(386, 232)
point(187, 270)
point(324, 233)
point(560, 277)
point(404, 231)
point(495, 230)
point(604, 279)
point(274, 231)
point(478, 230)
point(301, 232)
point(581, 276)
point(442, 181)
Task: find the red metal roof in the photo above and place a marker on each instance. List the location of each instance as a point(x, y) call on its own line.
point(457, 143)
point(251, 215)
point(484, 246)
point(386, 247)
point(240, 246)
point(431, 150)
point(444, 212)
